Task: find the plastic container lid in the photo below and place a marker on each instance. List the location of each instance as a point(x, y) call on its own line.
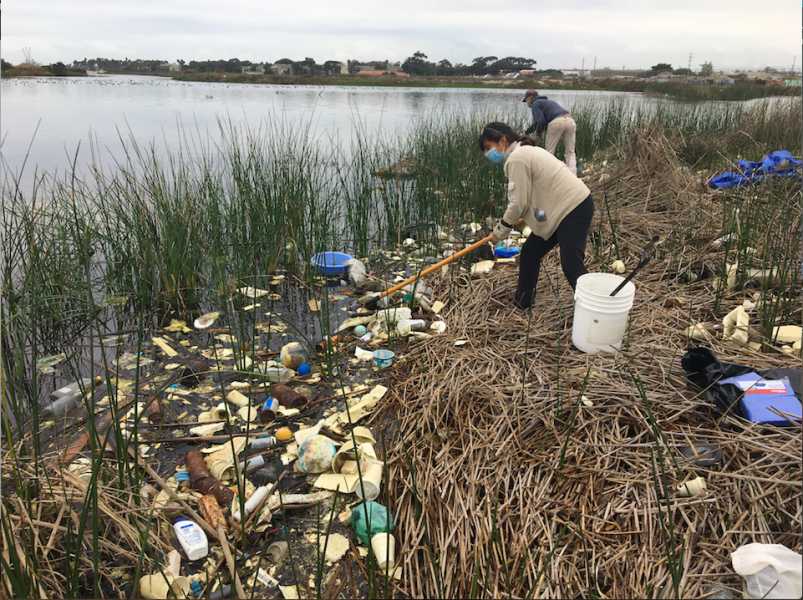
point(503, 252)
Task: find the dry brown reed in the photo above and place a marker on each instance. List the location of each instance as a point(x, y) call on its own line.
point(44, 531)
point(476, 484)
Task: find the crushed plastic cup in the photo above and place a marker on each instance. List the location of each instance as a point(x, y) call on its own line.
point(384, 547)
point(695, 487)
point(383, 358)
point(158, 585)
point(221, 469)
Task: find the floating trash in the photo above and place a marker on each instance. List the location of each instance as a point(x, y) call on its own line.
point(438, 326)
point(331, 263)
point(176, 325)
point(695, 487)
point(293, 355)
point(316, 453)
point(283, 434)
point(704, 455)
point(373, 516)
point(384, 547)
point(114, 301)
point(206, 320)
point(383, 358)
point(252, 293)
point(45, 365)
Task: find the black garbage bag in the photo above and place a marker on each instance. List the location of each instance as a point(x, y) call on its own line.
point(704, 370)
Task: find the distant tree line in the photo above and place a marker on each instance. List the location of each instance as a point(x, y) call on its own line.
point(417, 64)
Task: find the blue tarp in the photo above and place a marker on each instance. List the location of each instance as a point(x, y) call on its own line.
point(780, 163)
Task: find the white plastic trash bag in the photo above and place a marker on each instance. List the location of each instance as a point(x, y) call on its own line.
point(766, 565)
point(357, 272)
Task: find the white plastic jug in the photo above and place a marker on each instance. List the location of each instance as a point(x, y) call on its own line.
point(600, 320)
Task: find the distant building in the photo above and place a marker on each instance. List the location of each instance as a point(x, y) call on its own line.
point(166, 66)
point(281, 69)
point(254, 69)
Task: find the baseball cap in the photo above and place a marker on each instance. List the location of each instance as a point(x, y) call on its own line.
point(529, 93)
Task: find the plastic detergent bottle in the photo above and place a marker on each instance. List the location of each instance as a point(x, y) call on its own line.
point(192, 538)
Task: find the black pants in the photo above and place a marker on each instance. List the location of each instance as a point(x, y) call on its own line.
point(571, 235)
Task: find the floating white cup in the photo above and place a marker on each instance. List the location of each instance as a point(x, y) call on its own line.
point(695, 487)
point(384, 547)
point(368, 488)
point(221, 470)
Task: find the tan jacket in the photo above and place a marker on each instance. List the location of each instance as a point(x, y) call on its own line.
point(540, 184)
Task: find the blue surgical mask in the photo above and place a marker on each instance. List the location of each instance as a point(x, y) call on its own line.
point(495, 156)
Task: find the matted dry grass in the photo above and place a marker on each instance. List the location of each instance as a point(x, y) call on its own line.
point(476, 486)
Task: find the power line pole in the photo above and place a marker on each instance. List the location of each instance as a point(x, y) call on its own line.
point(689, 61)
point(582, 68)
point(595, 65)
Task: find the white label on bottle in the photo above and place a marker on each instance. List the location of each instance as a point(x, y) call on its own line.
point(265, 579)
point(190, 533)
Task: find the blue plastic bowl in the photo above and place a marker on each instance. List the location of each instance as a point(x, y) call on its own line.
point(331, 263)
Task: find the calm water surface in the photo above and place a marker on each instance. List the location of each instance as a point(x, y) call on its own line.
point(46, 119)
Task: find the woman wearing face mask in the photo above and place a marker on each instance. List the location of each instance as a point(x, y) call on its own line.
point(556, 205)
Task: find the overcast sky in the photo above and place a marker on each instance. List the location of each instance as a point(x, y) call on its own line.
point(732, 34)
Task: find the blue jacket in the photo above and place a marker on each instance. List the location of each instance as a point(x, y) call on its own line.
point(544, 111)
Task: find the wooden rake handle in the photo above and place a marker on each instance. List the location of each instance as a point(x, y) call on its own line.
point(437, 266)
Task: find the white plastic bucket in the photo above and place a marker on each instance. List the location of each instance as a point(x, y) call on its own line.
point(600, 320)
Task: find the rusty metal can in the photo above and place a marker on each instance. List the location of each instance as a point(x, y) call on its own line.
point(288, 397)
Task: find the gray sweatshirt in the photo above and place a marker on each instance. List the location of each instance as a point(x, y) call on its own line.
point(544, 111)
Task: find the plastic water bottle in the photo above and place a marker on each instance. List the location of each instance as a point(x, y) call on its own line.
point(252, 463)
point(252, 503)
point(192, 538)
point(279, 374)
